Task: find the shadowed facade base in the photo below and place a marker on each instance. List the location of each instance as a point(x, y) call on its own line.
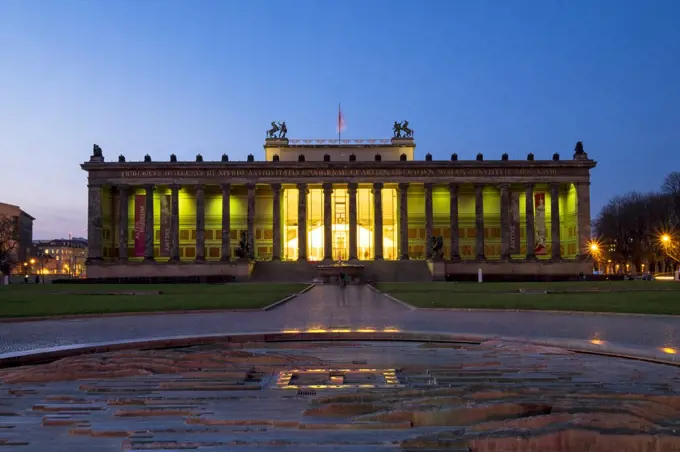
point(227, 271)
point(383, 271)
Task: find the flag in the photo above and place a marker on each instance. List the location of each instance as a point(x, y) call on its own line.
point(341, 120)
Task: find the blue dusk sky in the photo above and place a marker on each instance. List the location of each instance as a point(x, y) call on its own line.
point(188, 77)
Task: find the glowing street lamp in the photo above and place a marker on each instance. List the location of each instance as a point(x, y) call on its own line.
point(669, 247)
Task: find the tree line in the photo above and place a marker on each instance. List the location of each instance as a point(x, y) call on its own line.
point(630, 227)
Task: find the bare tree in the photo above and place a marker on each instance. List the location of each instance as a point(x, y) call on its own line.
point(671, 188)
point(671, 184)
point(8, 244)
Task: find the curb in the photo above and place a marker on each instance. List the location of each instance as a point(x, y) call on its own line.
point(287, 299)
point(552, 311)
point(396, 300)
point(120, 314)
point(307, 289)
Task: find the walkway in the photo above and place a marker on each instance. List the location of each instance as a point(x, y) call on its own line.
point(325, 307)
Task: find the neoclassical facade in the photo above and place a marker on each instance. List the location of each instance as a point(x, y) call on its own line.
point(337, 200)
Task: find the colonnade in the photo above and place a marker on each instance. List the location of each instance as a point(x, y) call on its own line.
point(95, 220)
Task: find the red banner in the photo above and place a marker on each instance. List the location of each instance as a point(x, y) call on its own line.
point(514, 223)
point(140, 225)
point(539, 223)
point(165, 225)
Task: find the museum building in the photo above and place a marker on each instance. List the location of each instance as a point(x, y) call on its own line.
point(312, 201)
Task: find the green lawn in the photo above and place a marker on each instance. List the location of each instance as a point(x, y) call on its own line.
point(26, 300)
point(643, 297)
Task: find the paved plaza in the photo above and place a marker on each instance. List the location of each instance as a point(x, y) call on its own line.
point(353, 307)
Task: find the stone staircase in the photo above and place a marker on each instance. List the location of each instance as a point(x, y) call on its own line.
point(278, 271)
point(393, 271)
point(385, 271)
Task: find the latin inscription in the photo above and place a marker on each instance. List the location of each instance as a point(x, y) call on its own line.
point(295, 173)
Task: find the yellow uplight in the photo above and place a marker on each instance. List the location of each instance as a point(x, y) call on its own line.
point(597, 341)
point(669, 350)
point(291, 330)
point(32, 261)
point(594, 247)
point(366, 330)
point(665, 238)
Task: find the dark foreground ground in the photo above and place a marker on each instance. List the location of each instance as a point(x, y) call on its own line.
point(342, 396)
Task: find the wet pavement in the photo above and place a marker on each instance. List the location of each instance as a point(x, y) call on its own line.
point(355, 307)
point(342, 396)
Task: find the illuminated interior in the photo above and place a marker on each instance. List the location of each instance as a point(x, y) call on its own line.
point(340, 225)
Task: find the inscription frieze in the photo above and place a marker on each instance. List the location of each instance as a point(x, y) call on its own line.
point(295, 173)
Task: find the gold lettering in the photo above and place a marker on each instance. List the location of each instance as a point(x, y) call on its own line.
point(294, 173)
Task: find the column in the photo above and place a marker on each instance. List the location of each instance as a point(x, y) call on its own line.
point(583, 218)
point(276, 222)
point(453, 209)
point(352, 192)
point(115, 200)
point(123, 233)
point(479, 221)
point(505, 221)
point(555, 221)
point(377, 221)
point(200, 222)
point(327, 222)
point(94, 222)
point(403, 221)
point(530, 232)
point(174, 222)
point(302, 222)
point(148, 226)
point(226, 223)
point(428, 221)
point(251, 220)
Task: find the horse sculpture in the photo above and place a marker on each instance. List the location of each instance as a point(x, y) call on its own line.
point(408, 133)
point(271, 133)
point(400, 127)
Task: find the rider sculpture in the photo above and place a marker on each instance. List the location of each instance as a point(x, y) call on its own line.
point(280, 128)
point(400, 127)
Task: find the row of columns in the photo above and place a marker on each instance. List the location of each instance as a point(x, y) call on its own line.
point(95, 221)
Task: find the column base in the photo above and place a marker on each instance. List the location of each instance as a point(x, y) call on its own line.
point(276, 258)
point(404, 257)
point(92, 260)
point(456, 258)
point(149, 259)
point(122, 260)
point(481, 257)
point(302, 259)
point(199, 259)
point(378, 258)
point(531, 258)
point(225, 259)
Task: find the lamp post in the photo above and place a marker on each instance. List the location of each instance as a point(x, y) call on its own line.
point(594, 248)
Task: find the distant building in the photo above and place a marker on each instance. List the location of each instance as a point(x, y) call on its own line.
point(23, 230)
point(61, 257)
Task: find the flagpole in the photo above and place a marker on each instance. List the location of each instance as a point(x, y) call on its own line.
point(339, 125)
